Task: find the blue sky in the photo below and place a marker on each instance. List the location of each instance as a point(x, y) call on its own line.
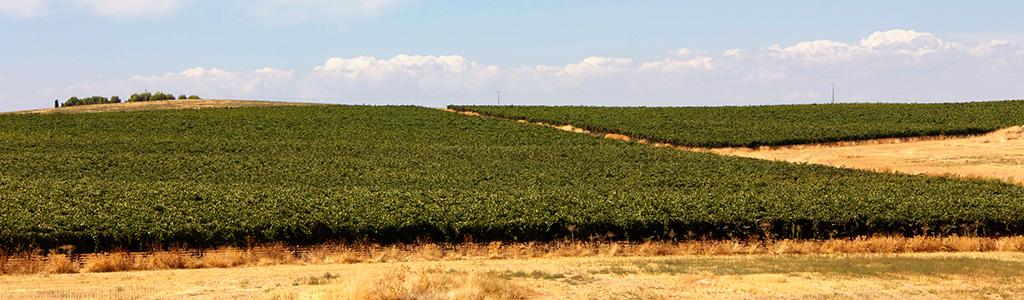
point(435, 53)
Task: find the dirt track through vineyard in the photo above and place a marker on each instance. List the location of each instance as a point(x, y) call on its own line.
point(996, 155)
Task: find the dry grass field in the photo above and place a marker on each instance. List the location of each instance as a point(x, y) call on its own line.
point(963, 275)
point(998, 155)
point(158, 105)
point(876, 267)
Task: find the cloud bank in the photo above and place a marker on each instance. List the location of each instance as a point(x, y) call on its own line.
point(296, 10)
point(885, 66)
point(22, 9)
point(292, 10)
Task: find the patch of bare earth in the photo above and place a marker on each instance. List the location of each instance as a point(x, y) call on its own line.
point(998, 155)
point(159, 105)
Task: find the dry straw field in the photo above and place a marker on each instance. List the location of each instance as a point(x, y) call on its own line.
point(876, 267)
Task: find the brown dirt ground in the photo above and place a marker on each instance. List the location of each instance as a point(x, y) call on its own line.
point(998, 155)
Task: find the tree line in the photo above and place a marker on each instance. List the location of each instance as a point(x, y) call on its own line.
point(115, 99)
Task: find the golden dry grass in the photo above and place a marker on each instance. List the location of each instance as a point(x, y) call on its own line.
point(279, 254)
point(964, 275)
point(158, 105)
point(997, 155)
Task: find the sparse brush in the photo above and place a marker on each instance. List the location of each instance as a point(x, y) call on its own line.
point(224, 257)
point(273, 254)
point(277, 254)
point(109, 262)
point(60, 264)
point(168, 260)
point(406, 283)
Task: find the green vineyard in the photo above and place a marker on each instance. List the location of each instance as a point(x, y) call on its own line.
point(753, 126)
point(312, 174)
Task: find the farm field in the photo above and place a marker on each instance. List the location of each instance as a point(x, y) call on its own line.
point(149, 179)
point(936, 275)
point(401, 174)
point(994, 155)
point(778, 125)
point(998, 155)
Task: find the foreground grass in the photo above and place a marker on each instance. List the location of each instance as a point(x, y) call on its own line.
point(840, 276)
point(278, 254)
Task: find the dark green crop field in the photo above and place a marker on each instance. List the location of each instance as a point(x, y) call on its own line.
point(753, 126)
point(385, 174)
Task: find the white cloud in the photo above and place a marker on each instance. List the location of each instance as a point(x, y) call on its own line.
point(263, 83)
point(300, 10)
point(268, 10)
point(895, 65)
point(132, 7)
point(400, 76)
point(35, 8)
point(900, 44)
point(24, 8)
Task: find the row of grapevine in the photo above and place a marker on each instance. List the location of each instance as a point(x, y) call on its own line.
point(753, 126)
point(387, 174)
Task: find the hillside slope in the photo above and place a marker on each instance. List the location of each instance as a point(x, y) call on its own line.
point(158, 105)
point(316, 173)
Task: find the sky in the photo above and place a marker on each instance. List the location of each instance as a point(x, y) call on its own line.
point(435, 53)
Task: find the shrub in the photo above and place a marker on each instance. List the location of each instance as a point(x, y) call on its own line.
point(161, 96)
point(140, 97)
point(72, 102)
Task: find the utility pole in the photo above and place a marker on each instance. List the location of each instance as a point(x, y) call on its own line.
point(499, 98)
point(833, 93)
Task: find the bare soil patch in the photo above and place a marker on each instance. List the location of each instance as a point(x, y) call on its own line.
point(159, 105)
point(998, 155)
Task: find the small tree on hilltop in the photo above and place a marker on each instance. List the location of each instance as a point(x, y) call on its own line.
point(139, 97)
point(72, 101)
point(161, 96)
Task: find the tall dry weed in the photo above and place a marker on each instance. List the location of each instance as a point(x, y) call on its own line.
point(109, 262)
point(406, 283)
point(273, 254)
point(277, 254)
point(224, 257)
point(60, 264)
point(1010, 243)
point(162, 260)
